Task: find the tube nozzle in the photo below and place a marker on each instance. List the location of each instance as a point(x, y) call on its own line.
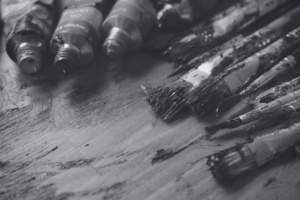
point(67, 60)
point(29, 58)
point(115, 46)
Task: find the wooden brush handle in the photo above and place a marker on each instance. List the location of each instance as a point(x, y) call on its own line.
point(277, 91)
point(279, 69)
point(257, 113)
point(242, 74)
point(254, 42)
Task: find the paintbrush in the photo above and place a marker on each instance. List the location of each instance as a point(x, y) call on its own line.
point(256, 113)
point(195, 89)
point(275, 93)
point(287, 64)
point(167, 101)
point(191, 33)
point(254, 42)
point(275, 117)
point(195, 62)
point(188, 36)
point(239, 50)
point(218, 31)
point(247, 43)
point(205, 98)
point(238, 160)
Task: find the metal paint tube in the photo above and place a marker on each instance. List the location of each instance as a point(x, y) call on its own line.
point(126, 26)
point(77, 35)
point(28, 28)
point(185, 12)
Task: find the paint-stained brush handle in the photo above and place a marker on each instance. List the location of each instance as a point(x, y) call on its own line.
point(195, 62)
point(244, 73)
point(287, 64)
point(276, 92)
point(257, 113)
point(238, 160)
point(269, 146)
point(254, 42)
point(222, 29)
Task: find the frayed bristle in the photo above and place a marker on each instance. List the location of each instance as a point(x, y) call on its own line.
point(167, 101)
point(204, 99)
point(228, 124)
point(228, 164)
point(228, 103)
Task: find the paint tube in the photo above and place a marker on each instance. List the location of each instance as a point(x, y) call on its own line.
point(77, 35)
point(127, 26)
point(28, 28)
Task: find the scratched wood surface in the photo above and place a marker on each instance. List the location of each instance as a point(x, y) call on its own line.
point(91, 135)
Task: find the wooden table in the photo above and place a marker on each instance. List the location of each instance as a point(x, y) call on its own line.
point(92, 135)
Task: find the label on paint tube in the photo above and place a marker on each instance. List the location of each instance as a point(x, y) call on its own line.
point(84, 21)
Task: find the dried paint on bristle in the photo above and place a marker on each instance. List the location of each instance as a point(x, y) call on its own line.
point(227, 164)
point(183, 52)
point(167, 101)
point(233, 123)
point(204, 99)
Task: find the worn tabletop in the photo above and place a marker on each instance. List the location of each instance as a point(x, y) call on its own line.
point(91, 135)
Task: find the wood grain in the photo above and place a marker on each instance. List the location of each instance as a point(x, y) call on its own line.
point(91, 135)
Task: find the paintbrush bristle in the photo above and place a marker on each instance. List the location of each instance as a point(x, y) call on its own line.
point(228, 124)
point(228, 103)
point(204, 99)
point(228, 164)
point(167, 101)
